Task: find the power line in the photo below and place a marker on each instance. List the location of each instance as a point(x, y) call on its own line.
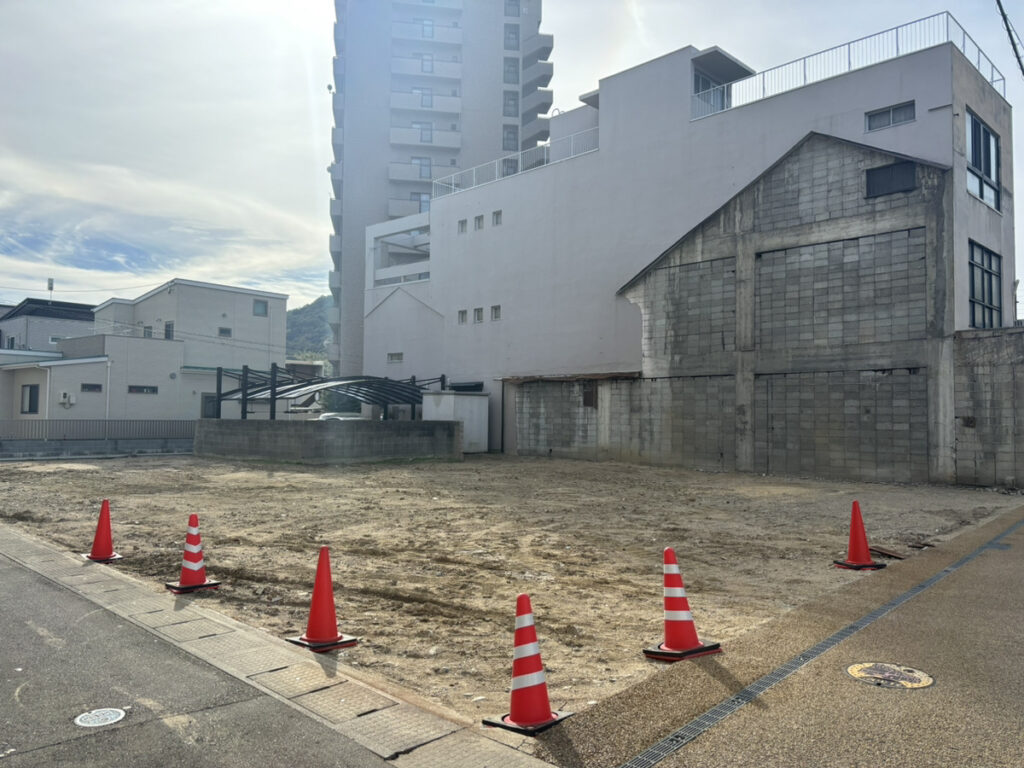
point(1012, 34)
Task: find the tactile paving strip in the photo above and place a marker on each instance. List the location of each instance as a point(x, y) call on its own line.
point(396, 729)
point(296, 679)
point(344, 702)
point(464, 750)
point(164, 617)
point(191, 630)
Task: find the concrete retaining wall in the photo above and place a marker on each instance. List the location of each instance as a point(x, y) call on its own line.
point(41, 449)
point(328, 442)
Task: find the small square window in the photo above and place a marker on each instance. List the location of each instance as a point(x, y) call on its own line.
point(224, 333)
point(478, 315)
point(496, 219)
point(496, 312)
point(478, 222)
point(462, 317)
point(462, 226)
point(147, 331)
point(395, 357)
point(259, 307)
point(55, 339)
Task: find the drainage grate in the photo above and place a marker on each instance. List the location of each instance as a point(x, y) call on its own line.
point(675, 741)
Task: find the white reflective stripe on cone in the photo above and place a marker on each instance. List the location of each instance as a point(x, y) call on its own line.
point(193, 531)
point(193, 548)
point(678, 616)
point(671, 568)
point(675, 592)
point(525, 681)
point(522, 651)
point(192, 566)
point(526, 620)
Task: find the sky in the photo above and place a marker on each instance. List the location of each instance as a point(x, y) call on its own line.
point(142, 141)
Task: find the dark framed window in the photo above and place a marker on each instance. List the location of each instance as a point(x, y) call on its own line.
point(889, 179)
point(510, 105)
point(982, 161)
point(92, 387)
point(894, 115)
point(147, 331)
point(30, 398)
point(511, 37)
point(169, 329)
point(496, 312)
point(462, 317)
point(589, 392)
point(478, 222)
point(512, 8)
point(259, 307)
point(224, 333)
point(395, 357)
point(478, 315)
point(510, 138)
point(510, 73)
point(141, 389)
point(423, 198)
point(986, 288)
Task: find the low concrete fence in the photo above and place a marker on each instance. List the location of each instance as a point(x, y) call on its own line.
point(328, 442)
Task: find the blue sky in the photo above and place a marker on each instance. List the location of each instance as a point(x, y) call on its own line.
point(141, 141)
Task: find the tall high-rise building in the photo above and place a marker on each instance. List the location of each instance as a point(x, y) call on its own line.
point(422, 89)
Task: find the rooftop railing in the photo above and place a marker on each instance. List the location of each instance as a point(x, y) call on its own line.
point(890, 44)
point(555, 151)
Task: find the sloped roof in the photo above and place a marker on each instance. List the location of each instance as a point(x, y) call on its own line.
point(793, 150)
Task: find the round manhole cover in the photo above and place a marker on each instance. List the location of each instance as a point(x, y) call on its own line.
point(890, 675)
point(98, 717)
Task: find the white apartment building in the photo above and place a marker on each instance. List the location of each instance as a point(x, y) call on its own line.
point(521, 259)
point(422, 88)
point(153, 357)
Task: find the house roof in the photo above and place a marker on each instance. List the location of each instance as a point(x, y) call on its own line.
point(63, 310)
point(194, 284)
point(793, 150)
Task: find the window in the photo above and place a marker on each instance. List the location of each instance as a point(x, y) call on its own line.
point(428, 27)
point(426, 62)
point(478, 315)
point(10, 341)
point(986, 288)
point(511, 71)
point(478, 222)
point(426, 132)
point(224, 333)
point(424, 166)
point(141, 389)
point(589, 391)
point(426, 96)
point(510, 138)
point(509, 166)
point(462, 226)
point(395, 357)
point(55, 339)
point(259, 307)
point(462, 317)
point(512, 8)
point(511, 37)
point(423, 198)
point(711, 94)
point(702, 82)
point(147, 331)
point(883, 118)
point(496, 219)
point(496, 312)
point(510, 107)
point(30, 398)
point(897, 177)
point(982, 161)
point(92, 387)
point(169, 329)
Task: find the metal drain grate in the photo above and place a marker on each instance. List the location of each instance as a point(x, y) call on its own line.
point(673, 742)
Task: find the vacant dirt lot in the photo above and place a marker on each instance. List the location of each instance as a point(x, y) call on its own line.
point(427, 558)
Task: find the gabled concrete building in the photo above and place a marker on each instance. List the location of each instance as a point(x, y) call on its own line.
point(523, 257)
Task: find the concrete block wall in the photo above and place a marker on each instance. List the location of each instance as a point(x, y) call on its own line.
point(328, 442)
point(551, 419)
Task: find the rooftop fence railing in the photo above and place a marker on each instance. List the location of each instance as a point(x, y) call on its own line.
point(554, 151)
point(874, 49)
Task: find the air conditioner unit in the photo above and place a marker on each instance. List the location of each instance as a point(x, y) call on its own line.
point(65, 397)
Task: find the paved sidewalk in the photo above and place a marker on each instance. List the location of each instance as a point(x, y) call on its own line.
point(198, 688)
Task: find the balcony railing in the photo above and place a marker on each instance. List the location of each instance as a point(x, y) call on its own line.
point(554, 151)
point(890, 44)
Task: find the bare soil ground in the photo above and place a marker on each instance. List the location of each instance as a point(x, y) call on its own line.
point(427, 558)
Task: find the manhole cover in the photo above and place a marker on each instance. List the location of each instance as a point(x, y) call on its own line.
point(98, 717)
point(890, 675)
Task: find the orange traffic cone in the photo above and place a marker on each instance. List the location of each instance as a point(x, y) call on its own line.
point(858, 557)
point(322, 629)
point(681, 640)
point(530, 711)
point(193, 568)
point(102, 544)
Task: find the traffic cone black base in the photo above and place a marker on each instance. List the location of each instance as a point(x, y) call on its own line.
point(661, 653)
point(859, 566)
point(342, 641)
point(177, 588)
point(526, 730)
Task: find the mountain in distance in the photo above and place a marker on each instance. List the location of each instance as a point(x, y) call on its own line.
point(308, 330)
